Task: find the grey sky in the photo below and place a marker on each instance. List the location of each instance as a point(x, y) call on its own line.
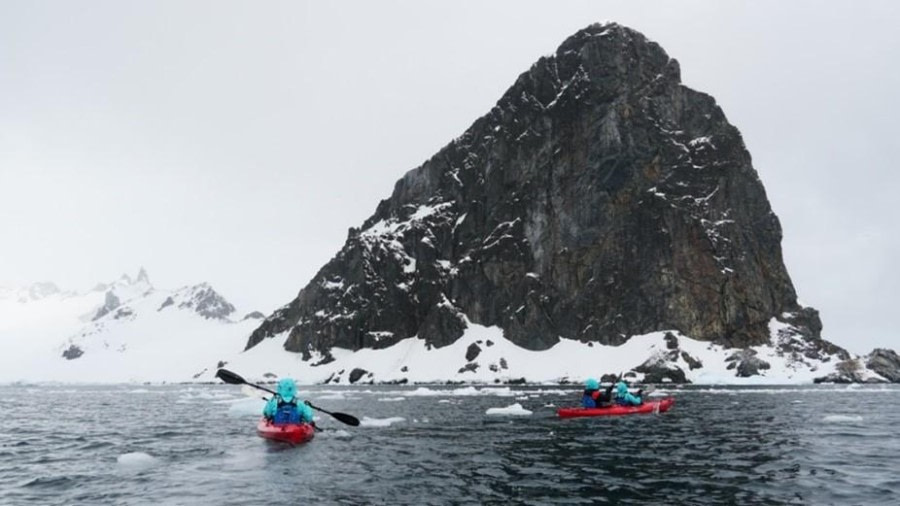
point(236, 142)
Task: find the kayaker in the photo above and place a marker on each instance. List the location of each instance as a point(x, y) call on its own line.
point(286, 407)
point(593, 397)
point(625, 398)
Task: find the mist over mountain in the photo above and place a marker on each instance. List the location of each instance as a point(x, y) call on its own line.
point(124, 330)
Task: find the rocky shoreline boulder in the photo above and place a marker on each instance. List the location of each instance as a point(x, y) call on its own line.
point(885, 363)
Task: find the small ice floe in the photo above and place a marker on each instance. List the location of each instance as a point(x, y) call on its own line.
point(796, 401)
point(136, 460)
point(659, 393)
point(243, 407)
point(380, 422)
point(514, 410)
point(337, 434)
point(445, 401)
point(842, 418)
point(522, 398)
point(391, 399)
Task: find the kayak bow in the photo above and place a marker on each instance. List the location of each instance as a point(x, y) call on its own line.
point(294, 433)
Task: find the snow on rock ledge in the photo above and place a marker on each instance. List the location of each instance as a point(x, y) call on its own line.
point(658, 357)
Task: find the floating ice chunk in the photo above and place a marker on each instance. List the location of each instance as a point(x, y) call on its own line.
point(392, 399)
point(244, 407)
point(380, 422)
point(842, 418)
point(136, 460)
point(514, 410)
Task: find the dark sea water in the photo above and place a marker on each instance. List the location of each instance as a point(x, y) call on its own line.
point(181, 444)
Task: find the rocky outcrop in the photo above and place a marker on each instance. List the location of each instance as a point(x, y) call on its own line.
point(110, 304)
point(472, 352)
point(166, 303)
point(849, 371)
point(203, 300)
point(599, 199)
point(885, 363)
point(357, 374)
point(72, 352)
point(661, 370)
point(747, 363)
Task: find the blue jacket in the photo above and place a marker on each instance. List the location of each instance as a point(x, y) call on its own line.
point(286, 407)
point(624, 397)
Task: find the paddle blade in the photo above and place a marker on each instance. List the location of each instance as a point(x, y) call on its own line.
point(230, 377)
point(348, 419)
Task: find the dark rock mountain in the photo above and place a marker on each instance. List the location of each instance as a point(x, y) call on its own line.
point(599, 199)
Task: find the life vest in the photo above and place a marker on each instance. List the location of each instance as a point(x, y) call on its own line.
point(594, 399)
point(286, 412)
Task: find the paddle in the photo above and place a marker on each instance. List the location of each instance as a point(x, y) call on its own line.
point(252, 392)
point(235, 379)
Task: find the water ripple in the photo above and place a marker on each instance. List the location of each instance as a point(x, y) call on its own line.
point(717, 446)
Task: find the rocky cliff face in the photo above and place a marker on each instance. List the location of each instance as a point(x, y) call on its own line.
point(599, 199)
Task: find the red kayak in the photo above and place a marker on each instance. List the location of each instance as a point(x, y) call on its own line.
point(294, 433)
point(660, 406)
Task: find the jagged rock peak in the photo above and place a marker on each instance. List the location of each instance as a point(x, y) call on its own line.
point(599, 199)
point(110, 303)
point(203, 300)
point(142, 276)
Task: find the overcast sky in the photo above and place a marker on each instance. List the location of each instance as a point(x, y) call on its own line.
point(236, 142)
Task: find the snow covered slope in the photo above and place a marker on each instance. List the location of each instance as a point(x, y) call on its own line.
point(123, 331)
point(130, 331)
point(483, 355)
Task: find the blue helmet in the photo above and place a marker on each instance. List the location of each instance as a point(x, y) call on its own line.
point(287, 389)
point(591, 384)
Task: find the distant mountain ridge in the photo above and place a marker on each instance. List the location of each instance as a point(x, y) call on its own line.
point(118, 331)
